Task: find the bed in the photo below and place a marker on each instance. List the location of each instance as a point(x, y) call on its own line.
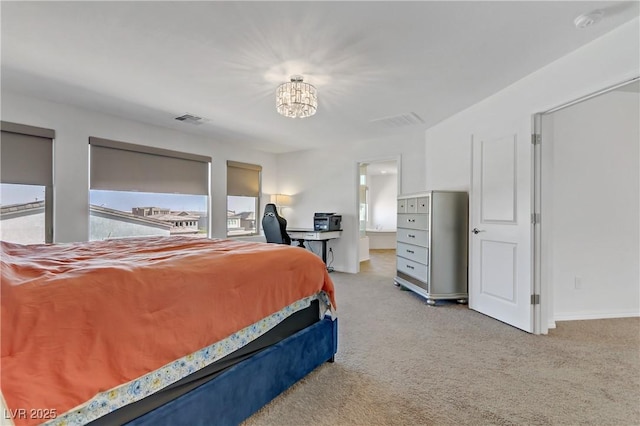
point(158, 330)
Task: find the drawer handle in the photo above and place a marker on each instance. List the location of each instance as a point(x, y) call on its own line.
point(410, 267)
point(411, 220)
point(410, 251)
point(411, 236)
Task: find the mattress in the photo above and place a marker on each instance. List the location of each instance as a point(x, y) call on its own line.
point(90, 327)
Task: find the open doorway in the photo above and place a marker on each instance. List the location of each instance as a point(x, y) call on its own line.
point(377, 207)
point(587, 194)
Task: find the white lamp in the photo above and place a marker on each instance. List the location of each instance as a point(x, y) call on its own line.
point(281, 200)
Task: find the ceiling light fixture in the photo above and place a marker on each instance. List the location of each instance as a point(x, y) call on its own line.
point(296, 99)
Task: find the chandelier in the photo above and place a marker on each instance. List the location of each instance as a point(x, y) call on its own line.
point(296, 99)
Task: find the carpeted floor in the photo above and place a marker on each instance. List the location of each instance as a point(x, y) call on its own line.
point(401, 362)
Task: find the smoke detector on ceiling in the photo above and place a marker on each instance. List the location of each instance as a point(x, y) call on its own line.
point(588, 19)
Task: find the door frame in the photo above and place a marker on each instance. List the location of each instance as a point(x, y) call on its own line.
point(543, 312)
point(358, 163)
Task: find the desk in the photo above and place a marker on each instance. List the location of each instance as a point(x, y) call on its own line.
point(302, 234)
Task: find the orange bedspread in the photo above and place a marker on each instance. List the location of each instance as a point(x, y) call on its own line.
point(78, 319)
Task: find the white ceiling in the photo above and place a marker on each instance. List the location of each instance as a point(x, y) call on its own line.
point(154, 61)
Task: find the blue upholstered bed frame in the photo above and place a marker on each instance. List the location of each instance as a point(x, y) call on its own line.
point(244, 388)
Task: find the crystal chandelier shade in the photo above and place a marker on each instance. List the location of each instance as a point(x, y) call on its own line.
point(296, 99)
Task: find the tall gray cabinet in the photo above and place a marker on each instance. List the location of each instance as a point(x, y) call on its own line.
point(432, 247)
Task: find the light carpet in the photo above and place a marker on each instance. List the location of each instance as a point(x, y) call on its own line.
point(401, 362)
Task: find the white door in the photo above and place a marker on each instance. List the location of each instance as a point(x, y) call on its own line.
point(500, 228)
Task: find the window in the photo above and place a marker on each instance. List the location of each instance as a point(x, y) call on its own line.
point(243, 198)
point(118, 214)
point(143, 191)
point(26, 189)
point(22, 217)
point(363, 200)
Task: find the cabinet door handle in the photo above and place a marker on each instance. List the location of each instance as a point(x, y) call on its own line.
point(410, 267)
point(410, 251)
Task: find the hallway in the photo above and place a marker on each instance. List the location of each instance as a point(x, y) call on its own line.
point(381, 262)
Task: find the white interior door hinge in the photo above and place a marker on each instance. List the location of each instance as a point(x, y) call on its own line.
point(535, 299)
point(535, 218)
point(536, 138)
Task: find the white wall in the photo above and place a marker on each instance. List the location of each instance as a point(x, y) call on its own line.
point(101, 227)
point(25, 229)
point(606, 61)
point(327, 181)
point(592, 220)
point(383, 194)
point(73, 126)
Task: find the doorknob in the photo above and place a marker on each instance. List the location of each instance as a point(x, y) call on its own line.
point(477, 231)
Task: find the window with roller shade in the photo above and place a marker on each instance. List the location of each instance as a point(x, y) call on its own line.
point(26, 184)
point(138, 190)
point(243, 198)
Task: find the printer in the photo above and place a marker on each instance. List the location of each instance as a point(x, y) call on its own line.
point(327, 222)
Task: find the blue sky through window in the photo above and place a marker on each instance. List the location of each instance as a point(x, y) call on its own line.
point(11, 193)
point(124, 201)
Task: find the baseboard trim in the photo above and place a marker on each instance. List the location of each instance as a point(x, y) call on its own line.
point(594, 315)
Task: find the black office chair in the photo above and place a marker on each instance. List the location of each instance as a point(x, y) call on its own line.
point(274, 226)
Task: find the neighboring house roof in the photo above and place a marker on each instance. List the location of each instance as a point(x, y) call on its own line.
point(174, 217)
point(157, 221)
point(129, 217)
point(22, 209)
point(241, 215)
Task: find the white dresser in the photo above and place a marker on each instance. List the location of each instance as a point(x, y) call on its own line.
point(432, 247)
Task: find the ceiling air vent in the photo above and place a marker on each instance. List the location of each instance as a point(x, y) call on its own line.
point(402, 120)
point(190, 119)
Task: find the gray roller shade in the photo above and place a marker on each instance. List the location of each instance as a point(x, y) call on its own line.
point(26, 155)
point(243, 179)
point(119, 166)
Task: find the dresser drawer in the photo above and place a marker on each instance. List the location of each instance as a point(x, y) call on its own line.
point(414, 269)
point(412, 205)
point(402, 205)
point(423, 205)
point(413, 221)
point(413, 236)
point(415, 253)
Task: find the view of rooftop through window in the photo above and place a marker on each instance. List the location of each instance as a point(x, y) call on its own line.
point(241, 215)
point(118, 214)
point(22, 213)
